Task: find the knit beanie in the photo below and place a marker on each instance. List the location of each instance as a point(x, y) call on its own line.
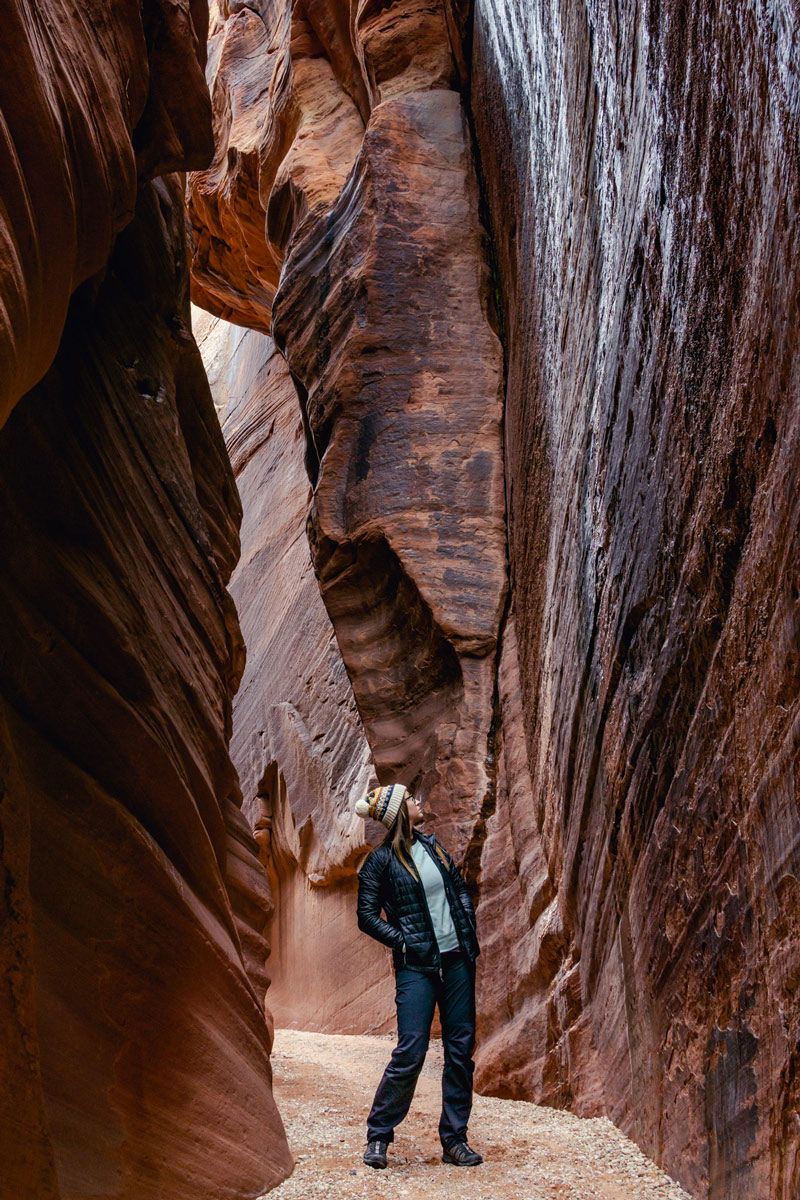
point(383, 803)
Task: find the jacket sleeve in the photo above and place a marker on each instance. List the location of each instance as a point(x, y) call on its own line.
point(369, 905)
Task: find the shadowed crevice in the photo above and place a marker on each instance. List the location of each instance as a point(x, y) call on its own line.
point(405, 673)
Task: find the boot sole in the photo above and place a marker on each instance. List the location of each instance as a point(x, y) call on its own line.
point(451, 1162)
point(377, 1166)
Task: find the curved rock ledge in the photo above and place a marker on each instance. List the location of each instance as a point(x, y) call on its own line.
point(351, 147)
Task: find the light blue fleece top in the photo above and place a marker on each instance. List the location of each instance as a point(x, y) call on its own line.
point(436, 895)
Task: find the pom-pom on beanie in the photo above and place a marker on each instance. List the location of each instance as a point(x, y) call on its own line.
point(383, 803)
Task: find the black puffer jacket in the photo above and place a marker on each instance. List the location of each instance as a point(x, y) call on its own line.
point(384, 883)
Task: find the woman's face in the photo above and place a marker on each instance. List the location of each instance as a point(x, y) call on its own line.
point(415, 812)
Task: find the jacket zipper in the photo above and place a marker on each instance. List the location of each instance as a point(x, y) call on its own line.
point(430, 920)
point(448, 887)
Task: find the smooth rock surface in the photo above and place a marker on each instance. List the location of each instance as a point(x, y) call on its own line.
point(91, 95)
point(135, 1051)
point(137, 1038)
point(298, 742)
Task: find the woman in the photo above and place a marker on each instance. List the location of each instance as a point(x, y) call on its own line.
point(430, 926)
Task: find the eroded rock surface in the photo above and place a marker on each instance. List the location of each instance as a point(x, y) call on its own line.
point(298, 742)
point(610, 738)
point(135, 1048)
point(641, 169)
point(352, 149)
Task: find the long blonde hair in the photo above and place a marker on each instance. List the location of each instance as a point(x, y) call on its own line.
point(399, 838)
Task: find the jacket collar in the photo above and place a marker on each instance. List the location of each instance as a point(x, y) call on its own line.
point(428, 838)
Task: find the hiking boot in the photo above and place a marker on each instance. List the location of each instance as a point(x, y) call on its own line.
point(375, 1154)
point(461, 1155)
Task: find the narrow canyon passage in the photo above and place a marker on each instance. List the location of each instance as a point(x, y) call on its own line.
point(522, 367)
point(399, 390)
point(324, 1084)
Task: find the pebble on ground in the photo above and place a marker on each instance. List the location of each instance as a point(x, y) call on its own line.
point(324, 1084)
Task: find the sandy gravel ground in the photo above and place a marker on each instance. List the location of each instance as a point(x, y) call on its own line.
point(324, 1085)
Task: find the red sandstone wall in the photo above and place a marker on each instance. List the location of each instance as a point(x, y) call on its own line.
point(641, 166)
point(610, 736)
point(135, 1051)
point(355, 157)
point(91, 97)
point(298, 742)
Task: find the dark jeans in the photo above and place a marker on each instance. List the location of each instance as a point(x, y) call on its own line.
point(417, 994)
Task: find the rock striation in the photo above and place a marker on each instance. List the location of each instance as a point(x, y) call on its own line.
point(564, 584)
point(135, 1049)
point(298, 743)
point(354, 153)
point(69, 177)
point(641, 170)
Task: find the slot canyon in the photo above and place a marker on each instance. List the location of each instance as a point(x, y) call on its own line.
point(399, 390)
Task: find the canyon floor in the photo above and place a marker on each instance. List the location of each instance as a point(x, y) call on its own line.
point(324, 1084)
